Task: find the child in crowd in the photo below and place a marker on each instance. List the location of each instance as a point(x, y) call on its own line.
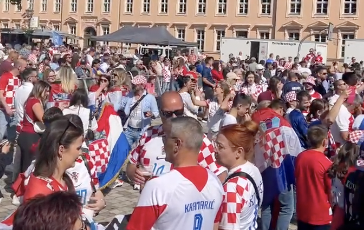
point(291, 99)
point(313, 184)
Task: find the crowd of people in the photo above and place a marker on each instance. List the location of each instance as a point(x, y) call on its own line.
point(283, 136)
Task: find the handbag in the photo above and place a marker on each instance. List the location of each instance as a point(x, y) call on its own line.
point(38, 126)
point(124, 118)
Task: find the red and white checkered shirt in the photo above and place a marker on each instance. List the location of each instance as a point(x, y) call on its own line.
point(33, 58)
point(253, 90)
point(240, 205)
point(9, 83)
point(150, 151)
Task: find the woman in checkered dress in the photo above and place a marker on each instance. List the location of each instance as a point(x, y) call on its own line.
point(244, 185)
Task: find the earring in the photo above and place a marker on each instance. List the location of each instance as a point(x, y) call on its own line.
point(60, 158)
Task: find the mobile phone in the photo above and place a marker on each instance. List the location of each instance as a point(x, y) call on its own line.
point(351, 97)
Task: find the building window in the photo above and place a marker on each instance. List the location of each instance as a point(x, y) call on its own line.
point(56, 27)
point(294, 36)
point(129, 6)
point(201, 7)
point(105, 29)
point(57, 5)
point(73, 6)
point(146, 6)
point(264, 35)
point(181, 34)
point(266, 7)
point(320, 37)
point(5, 25)
point(345, 37)
point(182, 6)
point(350, 6)
point(17, 8)
point(164, 7)
point(44, 5)
point(107, 5)
point(243, 7)
point(200, 39)
point(17, 26)
point(72, 29)
point(31, 4)
point(295, 7)
point(221, 7)
point(241, 34)
point(219, 35)
point(90, 6)
point(6, 5)
point(321, 6)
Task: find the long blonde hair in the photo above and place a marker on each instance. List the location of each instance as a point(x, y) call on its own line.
point(68, 79)
point(121, 78)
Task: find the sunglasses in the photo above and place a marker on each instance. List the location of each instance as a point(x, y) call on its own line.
point(67, 127)
point(177, 113)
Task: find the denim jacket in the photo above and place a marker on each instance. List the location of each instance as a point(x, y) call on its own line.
point(149, 103)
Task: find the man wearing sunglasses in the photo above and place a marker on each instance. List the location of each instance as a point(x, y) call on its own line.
point(150, 150)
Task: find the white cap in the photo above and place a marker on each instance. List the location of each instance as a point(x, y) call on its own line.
point(259, 67)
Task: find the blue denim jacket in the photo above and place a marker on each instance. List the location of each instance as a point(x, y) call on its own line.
point(149, 103)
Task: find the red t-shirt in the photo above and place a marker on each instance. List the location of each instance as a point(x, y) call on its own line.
point(28, 110)
point(217, 75)
point(313, 188)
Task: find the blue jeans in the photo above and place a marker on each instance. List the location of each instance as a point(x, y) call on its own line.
point(7, 126)
point(132, 135)
point(286, 201)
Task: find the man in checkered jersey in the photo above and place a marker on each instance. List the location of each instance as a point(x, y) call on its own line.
point(187, 197)
point(150, 149)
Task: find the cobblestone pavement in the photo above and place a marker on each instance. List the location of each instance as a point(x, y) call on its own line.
point(120, 201)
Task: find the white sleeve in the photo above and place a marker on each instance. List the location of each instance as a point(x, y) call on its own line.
point(228, 120)
point(91, 98)
point(342, 120)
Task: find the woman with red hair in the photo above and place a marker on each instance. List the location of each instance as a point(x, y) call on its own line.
point(244, 185)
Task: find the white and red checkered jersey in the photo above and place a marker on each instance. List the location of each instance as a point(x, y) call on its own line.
point(81, 178)
point(240, 205)
point(9, 83)
point(32, 58)
point(188, 202)
point(150, 151)
point(288, 65)
point(318, 60)
point(253, 90)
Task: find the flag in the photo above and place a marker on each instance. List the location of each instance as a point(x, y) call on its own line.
point(109, 153)
point(275, 153)
point(57, 39)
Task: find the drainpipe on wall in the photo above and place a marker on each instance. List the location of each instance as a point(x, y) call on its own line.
point(274, 19)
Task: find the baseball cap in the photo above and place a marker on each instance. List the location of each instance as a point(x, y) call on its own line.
point(259, 67)
point(232, 76)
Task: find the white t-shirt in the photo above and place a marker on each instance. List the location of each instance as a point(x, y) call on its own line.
point(150, 151)
point(190, 109)
point(21, 95)
point(186, 203)
point(343, 122)
point(215, 116)
point(89, 59)
point(84, 114)
point(228, 120)
point(357, 122)
point(243, 213)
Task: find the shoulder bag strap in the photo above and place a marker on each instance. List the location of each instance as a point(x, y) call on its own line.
point(91, 117)
point(135, 105)
point(85, 161)
point(247, 176)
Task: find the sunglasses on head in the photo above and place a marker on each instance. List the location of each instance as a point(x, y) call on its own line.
point(168, 114)
point(69, 123)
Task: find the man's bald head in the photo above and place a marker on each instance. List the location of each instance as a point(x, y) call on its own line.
point(13, 55)
point(171, 99)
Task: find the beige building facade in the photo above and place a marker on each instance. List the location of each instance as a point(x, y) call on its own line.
point(201, 21)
